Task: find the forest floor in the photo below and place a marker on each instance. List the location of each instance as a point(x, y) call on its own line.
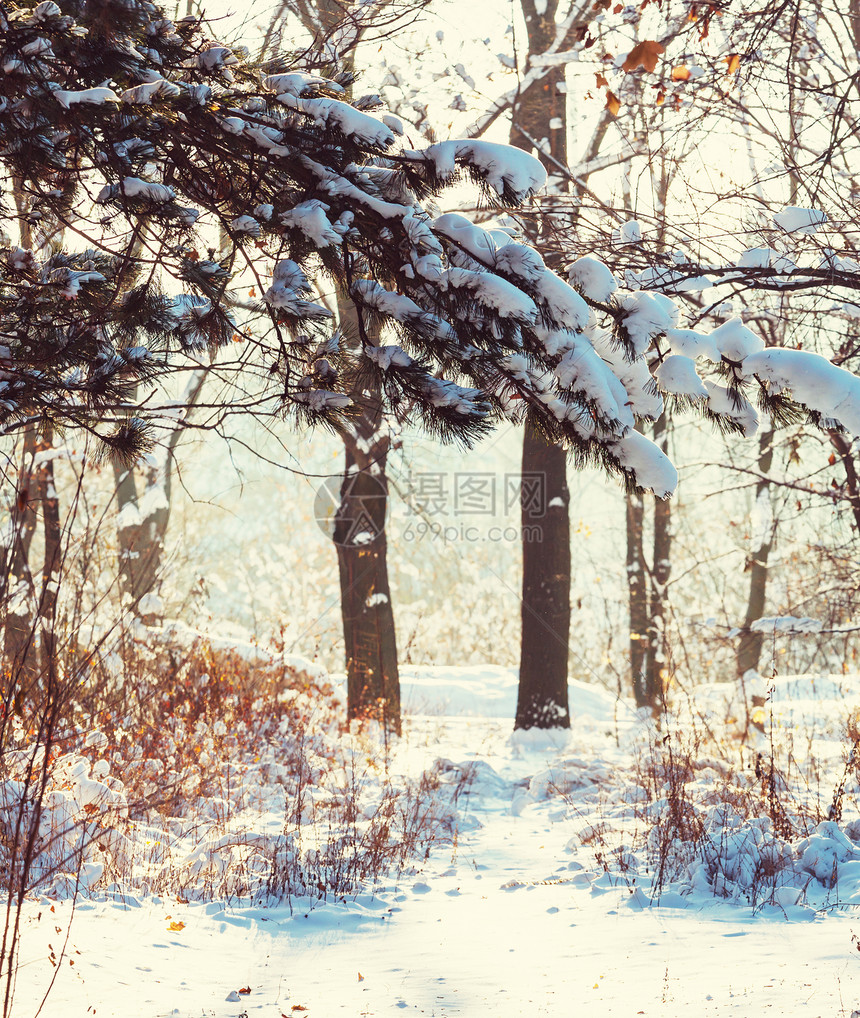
point(552, 894)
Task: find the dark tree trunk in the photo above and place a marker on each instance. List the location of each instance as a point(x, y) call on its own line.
point(368, 629)
point(854, 17)
point(637, 596)
point(749, 648)
point(141, 543)
point(852, 482)
point(22, 607)
point(20, 600)
point(539, 114)
point(647, 590)
point(657, 650)
point(542, 700)
point(373, 679)
point(50, 507)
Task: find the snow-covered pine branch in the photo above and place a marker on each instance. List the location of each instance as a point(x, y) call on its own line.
point(301, 180)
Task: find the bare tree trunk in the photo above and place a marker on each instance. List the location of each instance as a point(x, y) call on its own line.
point(637, 596)
point(749, 648)
point(50, 506)
point(854, 17)
point(370, 642)
point(657, 649)
point(127, 534)
point(373, 680)
point(542, 701)
point(21, 606)
point(19, 629)
point(369, 635)
point(852, 482)
point(141, 540)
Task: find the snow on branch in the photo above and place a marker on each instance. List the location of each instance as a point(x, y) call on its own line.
point(513, 174)
point(455, 325)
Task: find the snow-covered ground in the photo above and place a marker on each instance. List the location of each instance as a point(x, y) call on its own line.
point(617, 873)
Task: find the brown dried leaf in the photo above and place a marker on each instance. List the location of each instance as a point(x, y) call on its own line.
point(734, 63)
point(644, 54)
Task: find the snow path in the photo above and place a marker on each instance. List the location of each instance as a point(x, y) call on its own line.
point(502, 925)
point(462, 946)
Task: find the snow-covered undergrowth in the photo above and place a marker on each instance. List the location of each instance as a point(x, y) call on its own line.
point(223, 773)
point(683, 812)
point(233, 778)
point(277, 853)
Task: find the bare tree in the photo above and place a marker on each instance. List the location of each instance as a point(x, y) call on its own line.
point(539, 111)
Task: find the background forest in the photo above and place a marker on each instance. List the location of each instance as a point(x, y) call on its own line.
point(367, 368)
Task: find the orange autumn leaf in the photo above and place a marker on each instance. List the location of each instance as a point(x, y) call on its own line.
point(601, 80)
point(734, 63)
point(644, 54)
point(613, 104)
point(175, 927)
point(298, 1007)
point(681, 73)
point(245, 989)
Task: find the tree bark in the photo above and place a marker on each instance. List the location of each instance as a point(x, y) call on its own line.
point(373, 679)
point(20, 599)
point(749, 648)
point(20, 589)
point(141, 543)
point(647, 590)
point(542, 700)
point(50, 506)
point(370, 642)
point(852, 483)
point(637, 596)
point(661, 564)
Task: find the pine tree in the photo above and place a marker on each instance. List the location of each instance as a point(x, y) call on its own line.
point(145, 139)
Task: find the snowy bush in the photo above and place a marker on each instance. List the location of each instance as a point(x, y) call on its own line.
point(227, 776)
point(740, 857)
